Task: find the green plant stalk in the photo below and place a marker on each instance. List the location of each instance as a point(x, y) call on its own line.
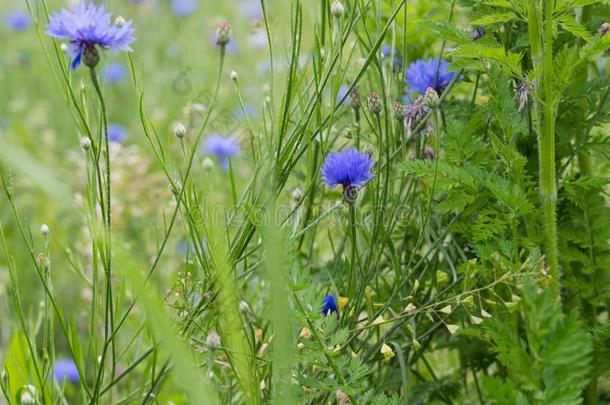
point(548, 187)
point(544, 122)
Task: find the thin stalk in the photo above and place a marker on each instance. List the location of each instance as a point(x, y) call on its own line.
point(107, 262)
point(548, 187)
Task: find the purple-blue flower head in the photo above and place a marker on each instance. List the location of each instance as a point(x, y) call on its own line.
point(222, 148)
point(117, 133)
point(18, 20)
point(184, 8)
point(87, 27)
point(348, 167)
point(329, 305)
point(65, 370)
point(423, 74)
point(114, 73)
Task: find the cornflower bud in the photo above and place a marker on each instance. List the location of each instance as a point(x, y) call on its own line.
point(85, 143)
point(336, 9)
point(223, 34)
point(399, 110)
point(179, 130)
point(477, 33)
point(374, 102)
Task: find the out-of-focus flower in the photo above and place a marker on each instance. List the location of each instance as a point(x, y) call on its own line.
point(222, 148)
point(18, 20)
point(604, 29)
point(114, 73)
point(65, 370)
point(89, 27)
point(343, 90)
point(184, 8)
point(252, 9)
point(117, 133)
point(431, 73)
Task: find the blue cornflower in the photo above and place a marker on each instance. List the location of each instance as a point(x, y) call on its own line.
point(114, 73)
point(348, 167)
point(18, 20)
point(184, 8)
point(329, 305)
point(423, 74)
point(222, 148)
point(86, 27)
point(65, 370)
point(117, 133)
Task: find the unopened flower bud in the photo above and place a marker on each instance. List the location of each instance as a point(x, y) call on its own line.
point(297, 194)
point(213, 340)
point(120, 21)
point(374, 102)
point(223, 34)
point(243, 306)
point(85, 143)
point(179, 130)
point(234, 75)
point(28, 395)
point(64, 47)
point(431, 98)
point(399, 110)
point(336, 9)
point(368, 149)
point(604, 29)
point(207, 164)
point(342, 397)
point(354, 98)
point(44, 230)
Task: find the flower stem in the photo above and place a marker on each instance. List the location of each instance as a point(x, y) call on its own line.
point(107, 253)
